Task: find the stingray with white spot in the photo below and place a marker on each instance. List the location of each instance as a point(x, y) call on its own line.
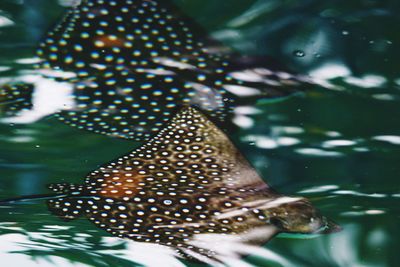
point(122, 68)
point(188, 188)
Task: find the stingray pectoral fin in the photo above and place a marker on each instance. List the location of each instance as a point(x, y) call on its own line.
point(69, 204)
point(15, 97)
point(65, 208)
point(66, 188)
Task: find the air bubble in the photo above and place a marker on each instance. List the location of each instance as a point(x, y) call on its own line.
point(299, 53)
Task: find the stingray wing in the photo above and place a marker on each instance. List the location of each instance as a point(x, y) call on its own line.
point(15, 98)
point(69, 205)
point(191, 154)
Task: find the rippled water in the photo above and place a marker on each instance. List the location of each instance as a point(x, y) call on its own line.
point(339, 147)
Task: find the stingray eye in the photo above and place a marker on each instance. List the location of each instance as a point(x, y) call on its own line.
point(279, 223)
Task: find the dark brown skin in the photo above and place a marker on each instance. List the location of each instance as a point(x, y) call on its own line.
point(14, 98)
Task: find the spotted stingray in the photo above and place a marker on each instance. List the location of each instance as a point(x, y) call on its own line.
point(183, 189)
point(130, 63)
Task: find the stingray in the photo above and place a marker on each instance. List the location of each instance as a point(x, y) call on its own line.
point(131, 63)
point(188, 188)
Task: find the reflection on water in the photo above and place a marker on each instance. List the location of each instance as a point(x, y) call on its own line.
point(339, 149)
point(44, 246)
point(122, 69)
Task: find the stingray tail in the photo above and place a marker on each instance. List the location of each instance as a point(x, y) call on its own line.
point(60, 204)
point(29, 198)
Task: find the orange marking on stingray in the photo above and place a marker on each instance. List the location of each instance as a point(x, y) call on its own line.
point(122, 184)
point(110, 41)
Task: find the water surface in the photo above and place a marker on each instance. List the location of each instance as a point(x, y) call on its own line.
point(337, 147)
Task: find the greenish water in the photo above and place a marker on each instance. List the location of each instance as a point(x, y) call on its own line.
point(339, 148)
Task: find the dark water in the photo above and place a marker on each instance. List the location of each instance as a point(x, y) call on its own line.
point(337, 147)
